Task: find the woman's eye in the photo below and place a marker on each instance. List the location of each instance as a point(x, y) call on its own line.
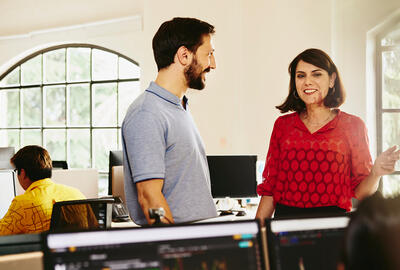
point(300, 76)
point(317, 74)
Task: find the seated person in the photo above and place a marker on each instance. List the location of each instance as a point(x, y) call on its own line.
point(372, 238)
point(31, 211)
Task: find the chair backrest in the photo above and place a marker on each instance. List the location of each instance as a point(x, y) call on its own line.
point(117, 182)
point(60, 164)
point(82, 214)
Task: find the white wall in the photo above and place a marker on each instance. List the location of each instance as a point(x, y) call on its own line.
point(255, 41)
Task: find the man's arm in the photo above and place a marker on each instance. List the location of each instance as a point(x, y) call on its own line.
point(150, 196)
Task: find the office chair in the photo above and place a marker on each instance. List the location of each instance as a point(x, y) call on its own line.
point(82, 214)
point(60, 164)
point(117, 182)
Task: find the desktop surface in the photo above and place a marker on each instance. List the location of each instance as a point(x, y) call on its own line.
point(305, 243)
point(228, 245)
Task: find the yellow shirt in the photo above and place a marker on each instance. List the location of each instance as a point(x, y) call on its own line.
point(31, 211)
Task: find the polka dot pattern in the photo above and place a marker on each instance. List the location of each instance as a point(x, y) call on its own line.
point(319, 169)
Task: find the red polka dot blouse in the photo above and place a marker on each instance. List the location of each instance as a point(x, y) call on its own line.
point(319, 169)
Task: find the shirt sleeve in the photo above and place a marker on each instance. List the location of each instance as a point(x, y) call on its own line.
point(11, 222)
point(361, 161)
point(145, 144)
point(271, 165)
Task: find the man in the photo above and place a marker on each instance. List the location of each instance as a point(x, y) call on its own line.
point(164, 158)
point(31, 211)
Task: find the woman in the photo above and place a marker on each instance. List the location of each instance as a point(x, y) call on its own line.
point(318, 156)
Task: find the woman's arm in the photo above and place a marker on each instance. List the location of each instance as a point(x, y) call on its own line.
point(383, 165)
point(265, 208)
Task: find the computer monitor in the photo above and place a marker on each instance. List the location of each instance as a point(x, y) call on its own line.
point(7, 190)
point(233, 176)
point(82, 214)
point(116, 157)
point(20, 243)
point(305, 243)
point(230, 245)
point(5, 154)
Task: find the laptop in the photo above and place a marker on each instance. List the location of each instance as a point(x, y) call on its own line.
point(223, 245)
point(305, 243)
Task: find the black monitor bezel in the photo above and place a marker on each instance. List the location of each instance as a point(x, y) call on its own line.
point(245, 194)
point(47, 253)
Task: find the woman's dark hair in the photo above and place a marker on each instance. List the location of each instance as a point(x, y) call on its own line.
point(35, 160)
point(372, 239)
point(318, 58)
point(175, 33)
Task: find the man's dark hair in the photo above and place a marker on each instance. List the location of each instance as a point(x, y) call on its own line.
point(372, 239)
point(35, 160)
point(336, 94)
point(175, 33)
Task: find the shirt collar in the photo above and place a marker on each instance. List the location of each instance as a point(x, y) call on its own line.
point(165, 94)
point(330, 125)
point(38, 183)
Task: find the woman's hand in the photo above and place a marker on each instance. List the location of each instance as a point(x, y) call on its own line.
point(386, 161)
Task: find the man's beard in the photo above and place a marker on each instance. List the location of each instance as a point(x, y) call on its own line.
point(193, 76)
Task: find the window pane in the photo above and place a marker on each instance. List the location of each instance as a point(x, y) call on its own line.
point(391, 80)
point(128, 70)
point(127, 93)
point(31, 136)
point(79, 105)
point(105, 65)
point(54, 142)
point(78, 64)
point(31, 107)
point(9, 107)
point(11, 79)
point(103, 184)
point(54, 106)
point(105, 104)
point(79, 148)
point(391, 185)
point(31, 71)
point(10, 138)
point(391, 130)
point(54, 66)
point(103, 141)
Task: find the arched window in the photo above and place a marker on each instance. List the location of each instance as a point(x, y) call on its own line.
point(71, 99)
point(388, 98)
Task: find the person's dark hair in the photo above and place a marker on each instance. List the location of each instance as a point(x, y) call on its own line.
point(372, 239)
point(35, 160)
point(173, 34)
point(318, 58)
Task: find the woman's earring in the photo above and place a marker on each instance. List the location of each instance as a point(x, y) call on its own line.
point(296, 96)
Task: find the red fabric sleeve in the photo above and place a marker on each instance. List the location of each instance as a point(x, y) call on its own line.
point(361, 161)
point(271, 164)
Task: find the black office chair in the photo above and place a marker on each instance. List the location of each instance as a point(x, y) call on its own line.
point(60, 164)
point(82, 214)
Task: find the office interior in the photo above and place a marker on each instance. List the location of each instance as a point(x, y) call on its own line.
point(254, 44)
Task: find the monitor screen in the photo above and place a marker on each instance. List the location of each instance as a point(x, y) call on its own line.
point(7, 190)
point(116, 157)
point(5, 154)
point(233, 176)
point(233, 245)
point(305, 243)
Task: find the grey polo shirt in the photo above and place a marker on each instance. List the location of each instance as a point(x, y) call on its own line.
point(160, 140)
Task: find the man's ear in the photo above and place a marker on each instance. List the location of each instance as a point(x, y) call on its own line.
point(183, 56)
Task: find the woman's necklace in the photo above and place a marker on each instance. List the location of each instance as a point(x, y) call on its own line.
point(319, 123)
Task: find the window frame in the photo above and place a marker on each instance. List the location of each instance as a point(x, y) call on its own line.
point(65, 84)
